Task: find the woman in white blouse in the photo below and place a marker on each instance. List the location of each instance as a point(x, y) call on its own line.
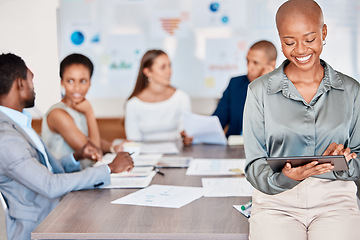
point(154, 110)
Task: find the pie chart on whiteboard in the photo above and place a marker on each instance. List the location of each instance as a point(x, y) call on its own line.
point(77, 38)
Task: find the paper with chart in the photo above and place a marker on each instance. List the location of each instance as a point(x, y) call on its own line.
point(204, 129)
point(203, 166)
point(162, 196)
point(130, 182)
point(226, 187)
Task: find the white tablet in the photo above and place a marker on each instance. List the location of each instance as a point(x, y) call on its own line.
point(278, 163)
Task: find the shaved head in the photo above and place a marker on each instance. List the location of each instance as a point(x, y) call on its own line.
point(295, 8)
point(302, 32)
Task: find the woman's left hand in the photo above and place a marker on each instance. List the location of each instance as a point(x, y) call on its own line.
point(187, 140)
point(338, 149)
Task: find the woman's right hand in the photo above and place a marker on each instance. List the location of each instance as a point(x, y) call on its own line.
point(339, 149)
point(83, 107)
point(308, 170)
point(88, 151)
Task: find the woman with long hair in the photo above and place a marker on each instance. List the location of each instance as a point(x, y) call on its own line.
point(154, 110)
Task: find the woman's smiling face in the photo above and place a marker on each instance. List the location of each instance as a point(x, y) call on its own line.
point(301, 37)
point(76, 81)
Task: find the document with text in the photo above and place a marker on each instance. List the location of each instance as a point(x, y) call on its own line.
point(135, 172)
point(130, 182)
point(139, 161)
point(162, 196)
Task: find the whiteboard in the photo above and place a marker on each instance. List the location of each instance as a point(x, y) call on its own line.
point(206, 40)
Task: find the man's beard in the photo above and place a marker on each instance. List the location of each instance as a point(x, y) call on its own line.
point(30, 102)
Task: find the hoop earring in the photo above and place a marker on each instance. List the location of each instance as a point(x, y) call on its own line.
point(324, 42)
point(62, 91)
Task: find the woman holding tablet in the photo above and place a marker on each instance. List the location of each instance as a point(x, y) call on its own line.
point(303, 108)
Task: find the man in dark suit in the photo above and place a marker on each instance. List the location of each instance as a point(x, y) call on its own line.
point(261, 59)
point(31, 179)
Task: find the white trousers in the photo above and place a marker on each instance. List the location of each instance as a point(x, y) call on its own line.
point(315, 209)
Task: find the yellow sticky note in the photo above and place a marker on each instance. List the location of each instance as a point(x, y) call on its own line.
point(209, 82)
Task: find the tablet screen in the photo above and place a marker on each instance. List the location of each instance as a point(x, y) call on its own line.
point(278, 163)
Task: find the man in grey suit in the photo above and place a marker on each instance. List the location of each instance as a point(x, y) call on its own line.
point(31, 180)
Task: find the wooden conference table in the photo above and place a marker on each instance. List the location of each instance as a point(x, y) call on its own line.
point(88, 214)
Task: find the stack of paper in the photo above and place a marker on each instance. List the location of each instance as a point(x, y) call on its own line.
point(130, 182)
point(139, 161)
point(139, 177)
point(162, 147)
point(174, 162)
point(135, 172)
point(146, 160)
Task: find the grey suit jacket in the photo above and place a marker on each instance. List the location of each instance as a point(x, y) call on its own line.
point(30, 190)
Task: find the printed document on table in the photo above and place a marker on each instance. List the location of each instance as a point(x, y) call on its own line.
point(130, 182)
point(146, 159)
point(135, 172)
point(199, 166)
point(162, 196)
point(226, 187)
point(162, 147)
point(174, 162)
point(204, 129)
point(139, 161)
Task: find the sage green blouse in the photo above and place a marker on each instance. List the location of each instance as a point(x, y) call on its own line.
point(278, 122)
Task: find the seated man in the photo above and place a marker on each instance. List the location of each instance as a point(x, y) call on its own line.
point(31, 180)
point(261, 59)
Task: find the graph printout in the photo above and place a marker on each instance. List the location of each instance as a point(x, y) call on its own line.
point(162, 196)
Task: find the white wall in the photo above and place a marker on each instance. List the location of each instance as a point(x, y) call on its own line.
point(28, 28)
